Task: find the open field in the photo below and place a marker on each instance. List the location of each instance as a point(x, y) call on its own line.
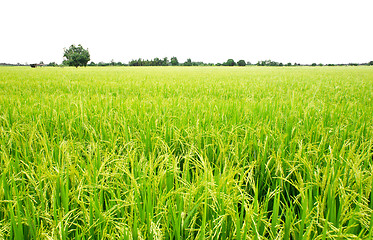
point(186, 153)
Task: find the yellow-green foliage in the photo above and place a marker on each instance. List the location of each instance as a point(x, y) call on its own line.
point(186, 153)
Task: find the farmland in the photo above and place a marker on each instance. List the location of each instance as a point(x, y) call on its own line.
point(186, 153)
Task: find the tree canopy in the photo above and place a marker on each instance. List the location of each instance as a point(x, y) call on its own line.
point(229, 62)
point(76, 56)
point(241, 63)
point(174, 61)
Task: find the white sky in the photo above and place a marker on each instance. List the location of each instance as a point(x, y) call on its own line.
point(327, 31)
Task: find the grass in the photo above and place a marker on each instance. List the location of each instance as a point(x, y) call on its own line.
point(186, 153)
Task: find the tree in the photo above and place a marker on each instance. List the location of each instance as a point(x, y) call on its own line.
point(174, 61)
point(313, 64)
point(164, 61)
point(241, 63)
point(188, 62)
point(270, 63)
point(52, 64)
point(229, 62)
point(76, 56)
point(370, 63)
point(157, 62)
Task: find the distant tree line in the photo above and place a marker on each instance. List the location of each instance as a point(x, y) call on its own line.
point(72, 58)
point(104, 64)
point(174, 62)
point(230, 62)
point(11, 64)
point(166, 62)
point(273, 63)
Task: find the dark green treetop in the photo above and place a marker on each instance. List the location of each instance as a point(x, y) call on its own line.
point(241, 63)
point(76, 56)
point(174, 61)
point(229, 62)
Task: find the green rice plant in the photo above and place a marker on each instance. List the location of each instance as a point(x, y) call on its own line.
point(186, 153)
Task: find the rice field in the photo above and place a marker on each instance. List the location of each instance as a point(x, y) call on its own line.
point(186, 153)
